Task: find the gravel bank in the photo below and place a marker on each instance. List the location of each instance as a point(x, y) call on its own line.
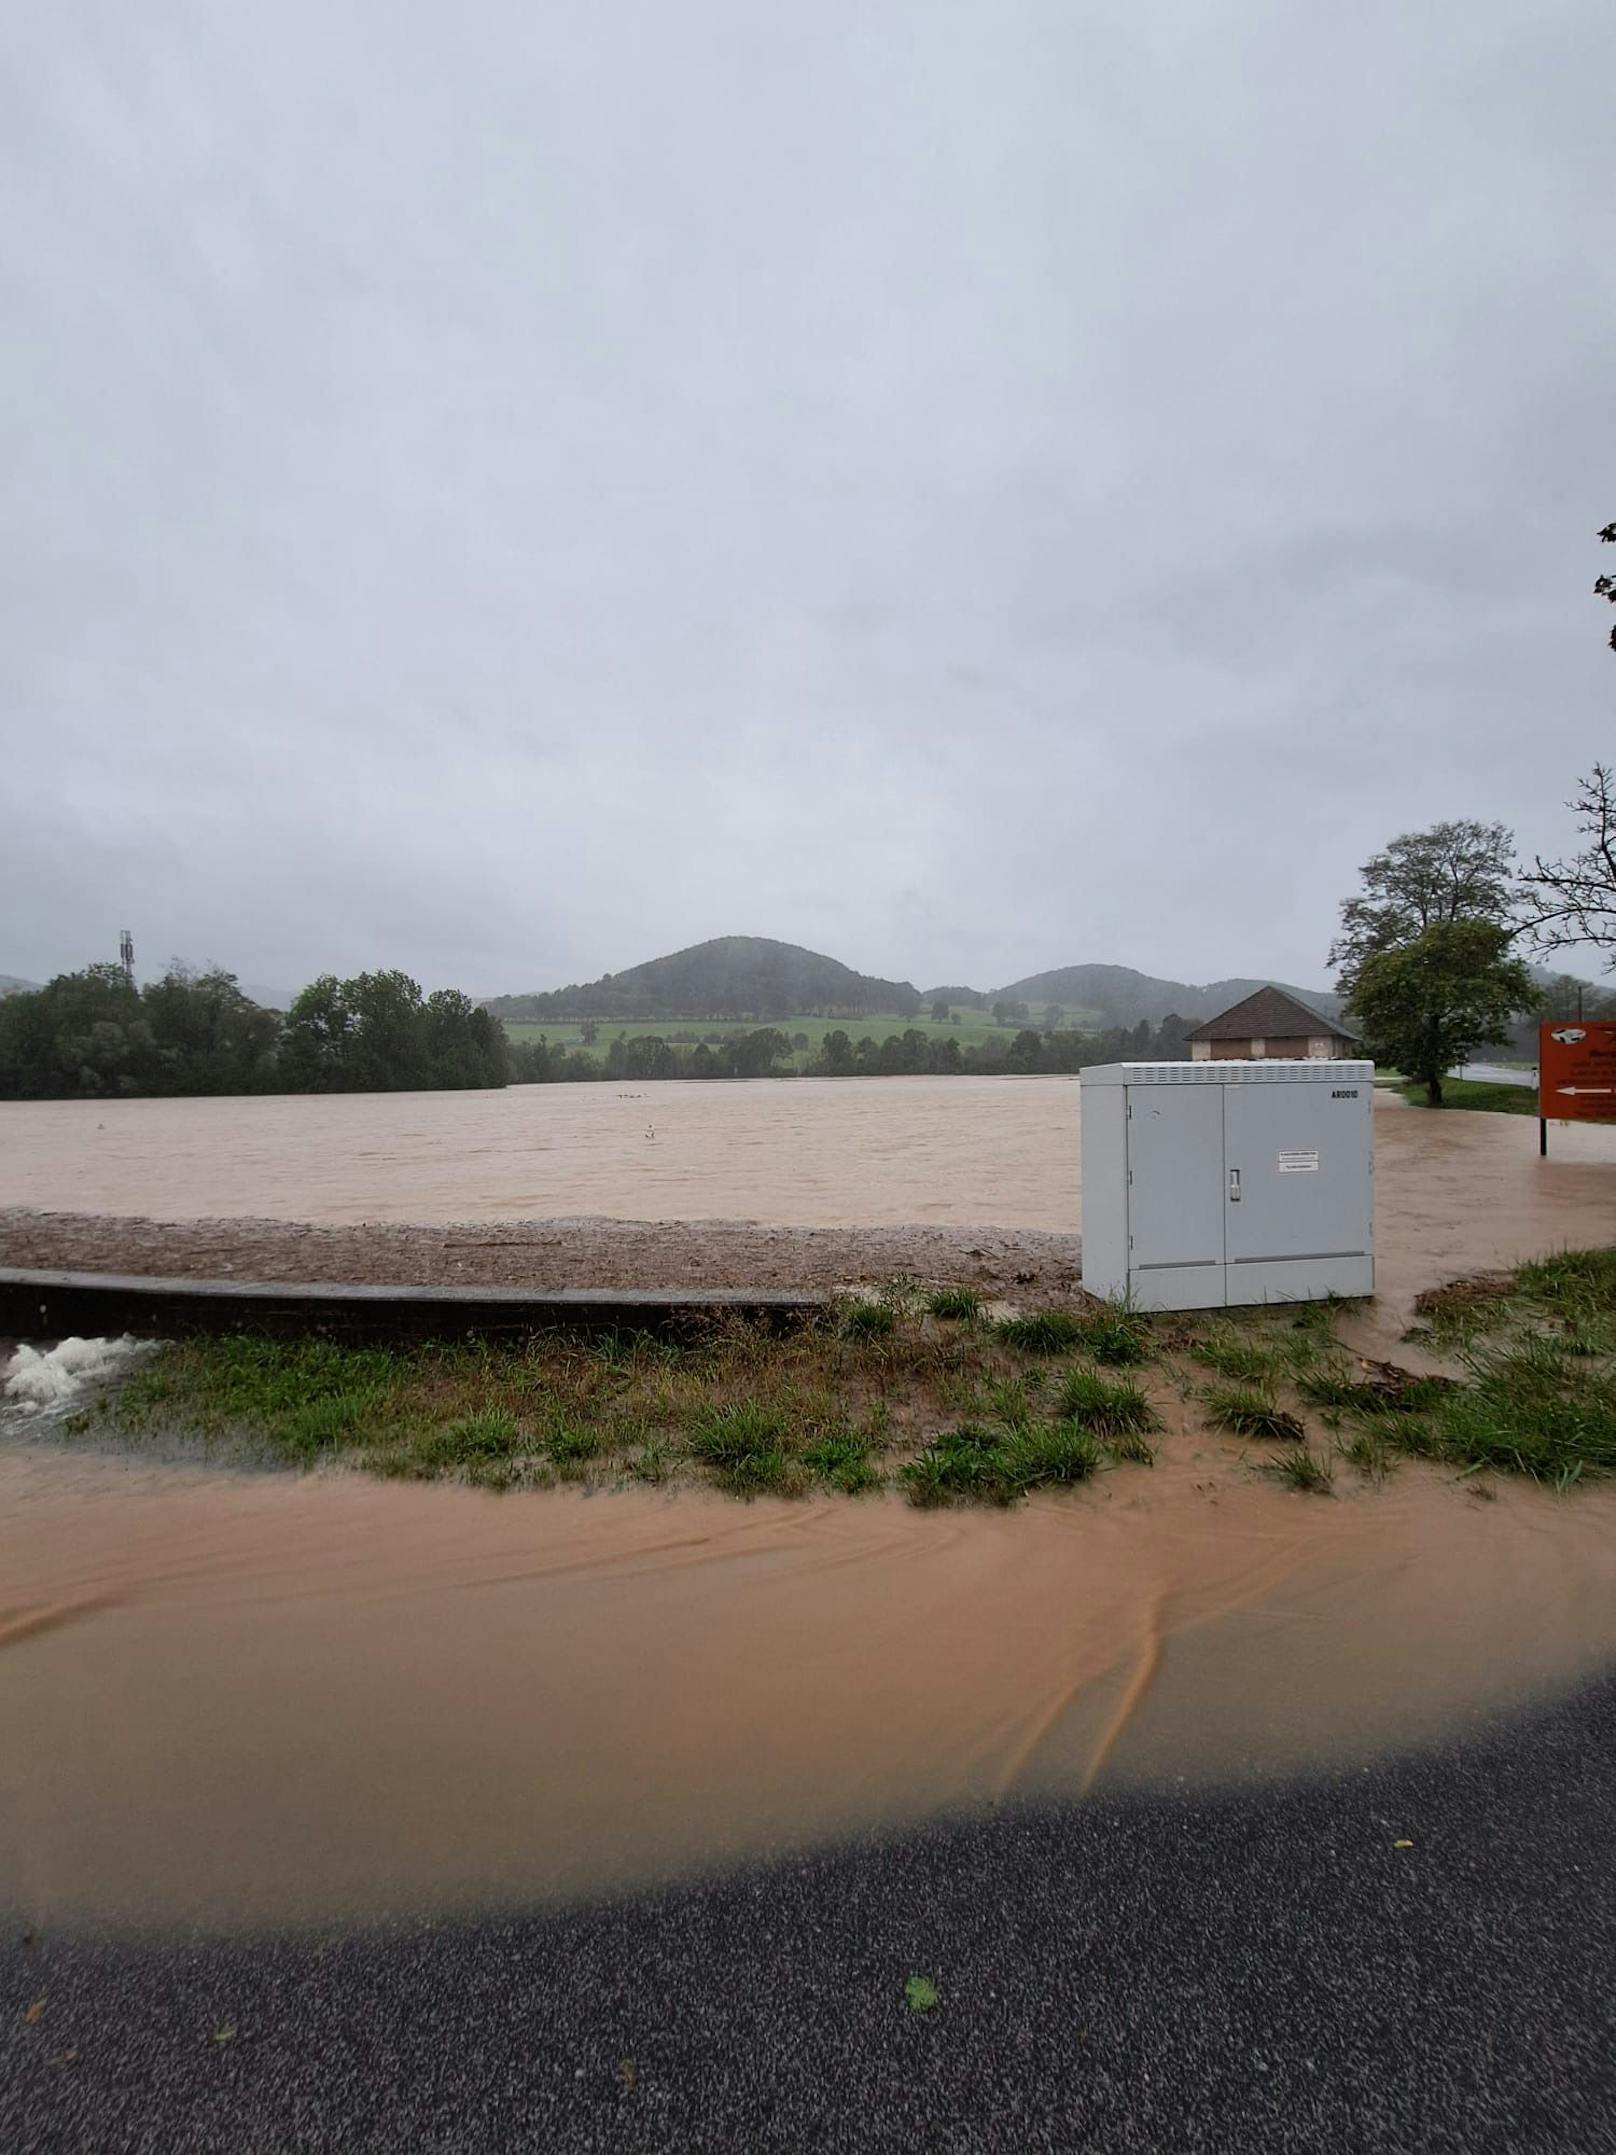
point(546, 1253)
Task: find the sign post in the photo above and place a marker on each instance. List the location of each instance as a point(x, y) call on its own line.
point(1576, 1074)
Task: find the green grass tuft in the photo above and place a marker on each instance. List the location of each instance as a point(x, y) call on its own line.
point(967, 1462)
point(726, 1436)
point(1109, 1406)
point(959, 1305)
point(1045, 1331)
point(570, 1444)
point(1115, 1338)
point(843, 1460)
point(868, 1320)
point(1056, 1452)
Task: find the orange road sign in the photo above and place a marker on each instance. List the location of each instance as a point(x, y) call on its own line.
point(1576, 1072)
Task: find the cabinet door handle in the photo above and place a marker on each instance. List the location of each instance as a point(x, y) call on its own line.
point(1234, 1185)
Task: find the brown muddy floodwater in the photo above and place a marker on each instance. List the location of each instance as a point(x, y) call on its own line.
point(805, 1152)
point(242, 1700)
point(233, 1700)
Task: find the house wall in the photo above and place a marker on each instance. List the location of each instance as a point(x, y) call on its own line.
point(1319, 1047)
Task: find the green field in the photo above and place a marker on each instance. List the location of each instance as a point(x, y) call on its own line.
point(974, 1026)
point(1470, 1093)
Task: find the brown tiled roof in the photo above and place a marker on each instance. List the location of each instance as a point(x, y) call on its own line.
point(1270, 1014)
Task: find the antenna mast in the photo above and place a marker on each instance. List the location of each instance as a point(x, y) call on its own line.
point(126, 956)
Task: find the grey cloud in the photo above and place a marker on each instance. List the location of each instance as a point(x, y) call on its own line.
point(509, 490)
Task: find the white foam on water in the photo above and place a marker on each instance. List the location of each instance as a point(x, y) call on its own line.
point(45, 1380)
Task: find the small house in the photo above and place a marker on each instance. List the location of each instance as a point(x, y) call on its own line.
point(1271, 1023)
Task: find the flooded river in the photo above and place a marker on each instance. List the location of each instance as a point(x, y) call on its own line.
point(808, 1152)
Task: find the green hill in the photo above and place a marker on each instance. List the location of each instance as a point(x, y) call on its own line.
point(750, 978)
point(733, 976)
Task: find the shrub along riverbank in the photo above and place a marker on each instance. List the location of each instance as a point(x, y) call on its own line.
point(925, 1393)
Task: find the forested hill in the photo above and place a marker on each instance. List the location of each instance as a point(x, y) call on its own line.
point(733, 976)
point(1120, 996)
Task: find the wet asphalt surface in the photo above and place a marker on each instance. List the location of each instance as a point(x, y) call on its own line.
point(1242, 1974)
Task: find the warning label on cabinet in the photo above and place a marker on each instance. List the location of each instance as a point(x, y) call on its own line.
point(1298, 1163)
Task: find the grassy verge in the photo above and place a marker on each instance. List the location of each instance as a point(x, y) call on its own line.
point(1471, 1093)
point(924, 1393)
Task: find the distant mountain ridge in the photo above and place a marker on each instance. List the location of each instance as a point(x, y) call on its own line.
point(749, 976)
point(732, 976)
point(10, 984)
point(1125, 996)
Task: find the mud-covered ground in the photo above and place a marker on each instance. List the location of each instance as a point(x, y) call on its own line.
point(546, 1253)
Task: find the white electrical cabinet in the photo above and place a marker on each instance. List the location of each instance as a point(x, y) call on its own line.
point(1208, 1184)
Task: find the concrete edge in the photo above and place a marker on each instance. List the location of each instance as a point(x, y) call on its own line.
point(53, 1305)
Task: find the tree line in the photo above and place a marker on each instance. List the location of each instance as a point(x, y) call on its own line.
point(94, 1035)
point(768, 1052)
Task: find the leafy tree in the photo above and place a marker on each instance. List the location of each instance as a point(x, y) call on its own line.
point(1428, 1004)
point(1454, 871)
point(836, 1054)
point(939, 1011)
point(92, 1035)
point(315, 1042)
point(1172, 1038)
point(209, 1037)
point(375, 1033)
point(1026, 1051)
point(755, 1054)
point(463, 1046)
point(82, 1035)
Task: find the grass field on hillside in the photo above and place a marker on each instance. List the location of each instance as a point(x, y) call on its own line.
point(974, 1027)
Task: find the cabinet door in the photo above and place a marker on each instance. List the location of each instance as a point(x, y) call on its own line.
point(1175, 1195)
point(1301, 1153)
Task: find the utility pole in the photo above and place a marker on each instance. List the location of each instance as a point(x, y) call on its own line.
point(126, 956)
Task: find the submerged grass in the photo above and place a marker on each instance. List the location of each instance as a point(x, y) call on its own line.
point(1246, 1412)
point(918, 1390)
point(1298, 1468)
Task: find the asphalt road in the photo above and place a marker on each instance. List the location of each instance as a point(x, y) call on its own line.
point(1497, 1073)
point(1240, 1975)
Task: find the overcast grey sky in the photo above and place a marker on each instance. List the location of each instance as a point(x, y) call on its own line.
point(510, 488)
